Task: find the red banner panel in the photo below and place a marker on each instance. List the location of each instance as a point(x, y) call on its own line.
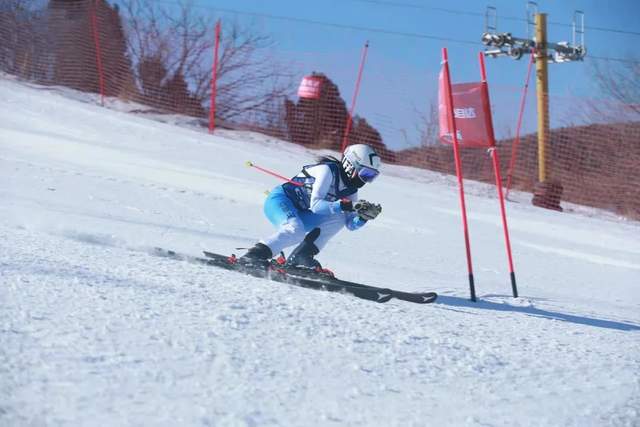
point(310, 87)
point(470, 110)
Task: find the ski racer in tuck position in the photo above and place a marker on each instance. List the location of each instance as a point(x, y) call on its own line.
point(315, 205)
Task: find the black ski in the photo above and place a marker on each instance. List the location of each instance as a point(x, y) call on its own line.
point(370, 293)
point(323, 279)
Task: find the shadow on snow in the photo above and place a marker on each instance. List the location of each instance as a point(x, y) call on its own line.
point(537, 312)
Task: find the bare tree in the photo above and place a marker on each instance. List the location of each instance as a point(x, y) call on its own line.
point(23, 42)
point(620, 81)
point(249, 80)
point(428, 125)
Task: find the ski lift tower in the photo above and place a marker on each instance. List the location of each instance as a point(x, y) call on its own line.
point(504, 44)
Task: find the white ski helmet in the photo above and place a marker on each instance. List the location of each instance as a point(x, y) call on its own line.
point(360, 160)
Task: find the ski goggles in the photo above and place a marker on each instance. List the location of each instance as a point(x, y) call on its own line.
point(367, 174)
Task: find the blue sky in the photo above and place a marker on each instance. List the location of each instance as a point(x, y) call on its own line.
point(404, 54)
point(430, 19)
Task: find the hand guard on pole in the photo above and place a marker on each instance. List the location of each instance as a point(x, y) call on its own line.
point(367, 210)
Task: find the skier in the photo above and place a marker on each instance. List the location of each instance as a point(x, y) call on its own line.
point(316, 204)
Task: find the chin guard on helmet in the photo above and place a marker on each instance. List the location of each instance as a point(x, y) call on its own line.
point(362, 162)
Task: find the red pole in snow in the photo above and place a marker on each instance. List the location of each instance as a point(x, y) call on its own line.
point(347, 128)
point(516, 142)
point(496, 167)
point(214, 80)
point(456, 153)
point(96, 40)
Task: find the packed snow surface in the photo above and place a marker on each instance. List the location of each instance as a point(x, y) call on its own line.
point(95, 330)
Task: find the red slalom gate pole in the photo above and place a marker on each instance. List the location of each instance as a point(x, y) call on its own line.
point(272, 173)
point(214, 80)
point(456, 153)
point(347, 128)
point(496, 167)
point(96, 40)
point(516, 142)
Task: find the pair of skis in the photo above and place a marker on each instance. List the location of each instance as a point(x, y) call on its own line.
point(300, 277)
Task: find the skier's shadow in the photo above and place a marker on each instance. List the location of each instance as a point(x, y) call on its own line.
point(537, 312)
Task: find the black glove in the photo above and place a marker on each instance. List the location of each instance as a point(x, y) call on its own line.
point(367, 210)
point(346, 205)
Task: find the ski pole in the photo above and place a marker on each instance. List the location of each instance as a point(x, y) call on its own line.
point(267, 171)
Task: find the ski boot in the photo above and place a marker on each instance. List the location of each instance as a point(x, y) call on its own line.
point(302, 258)
point(258, 256)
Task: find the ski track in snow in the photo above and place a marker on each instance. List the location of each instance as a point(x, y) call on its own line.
point(130, 329)
point(94, 330)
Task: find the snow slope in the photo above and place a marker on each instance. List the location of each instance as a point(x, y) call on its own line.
point(94, 330)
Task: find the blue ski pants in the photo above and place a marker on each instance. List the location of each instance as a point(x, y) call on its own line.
point(292, 224)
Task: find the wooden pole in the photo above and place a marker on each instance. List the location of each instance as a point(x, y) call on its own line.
point(542, 89)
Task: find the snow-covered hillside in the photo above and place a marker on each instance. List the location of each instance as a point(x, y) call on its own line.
point(94, 330)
